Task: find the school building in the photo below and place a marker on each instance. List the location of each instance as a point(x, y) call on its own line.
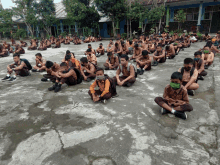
point(203, 15)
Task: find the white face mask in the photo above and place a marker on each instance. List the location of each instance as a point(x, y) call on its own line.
point(100, 77)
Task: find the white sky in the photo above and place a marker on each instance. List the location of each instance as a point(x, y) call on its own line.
point(9, 3)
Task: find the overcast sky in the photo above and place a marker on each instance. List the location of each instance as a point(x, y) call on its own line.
point(9, 3)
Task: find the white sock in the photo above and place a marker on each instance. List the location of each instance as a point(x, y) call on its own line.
point(173, 111)
point(8, 75)
point(14, 76)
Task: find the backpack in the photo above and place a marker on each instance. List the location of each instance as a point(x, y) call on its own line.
point(27, 63)
point(191, 72)
point(128, 68)
point(112, 88)
point(79, 76)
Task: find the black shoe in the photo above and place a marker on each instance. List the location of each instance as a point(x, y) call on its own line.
point(45, 79)
point(182, 49)
point(58, 88)
point(156, 63)
point(200, 78)
point(52, 88)
point(191, 92)
point(181, 115)
point(176, 53)
point(89, 79)
point(142, 72)
point(106, 68)
point(115, 96)
point(6, 78)
point(206, 66)
point(138, 71)
point(12, 79)
point(104, 101)
point(164, 111)
point(128, 84)
point(134, 60)
point(34, 70)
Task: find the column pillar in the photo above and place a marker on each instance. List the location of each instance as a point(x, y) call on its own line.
point(168, 16)
point(61, 26)
point(200, 15)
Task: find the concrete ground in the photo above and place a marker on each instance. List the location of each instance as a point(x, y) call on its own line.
point(38, 127)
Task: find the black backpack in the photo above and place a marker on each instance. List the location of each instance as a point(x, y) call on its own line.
point(27, 63)
point(79, 76)
point(191, 72)
point(112, 88)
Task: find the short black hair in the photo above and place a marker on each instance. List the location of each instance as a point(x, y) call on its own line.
point(167, 47)
point(109, 53)
point(198, 53)
point(130, 42)
point(177, 75)
point(159, 45)
point(116, 44)
point(63, 64)
point(188, 61)
point(67, 52)
point(49, 64)
point(100, 44)
point(144, 52)
point(136, 45)
point(125, 56)
point(89, 44)
point(16, 55)
point(38, 54)
point(99, 69)
point(67, 57)
point(84, 60)
point(89, 50)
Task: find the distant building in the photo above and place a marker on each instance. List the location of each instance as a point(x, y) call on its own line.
point(203, 15)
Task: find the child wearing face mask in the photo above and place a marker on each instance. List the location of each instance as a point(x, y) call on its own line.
point(199, 65)
point(175, 98)
point(105, 91)
point(190, 75)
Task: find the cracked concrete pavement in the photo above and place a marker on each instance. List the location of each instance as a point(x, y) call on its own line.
point(38, 127)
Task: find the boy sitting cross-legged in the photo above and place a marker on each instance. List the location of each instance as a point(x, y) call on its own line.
point(175, 98)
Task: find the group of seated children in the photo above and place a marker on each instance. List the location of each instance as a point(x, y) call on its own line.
point(71, 71)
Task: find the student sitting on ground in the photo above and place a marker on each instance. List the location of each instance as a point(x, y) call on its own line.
point(65, 75)
point(3, 51)
point(91, 57)
point(19, 67)
point(52, 71)
point(190, 75)
point(110, 47)
point(106, 91)
point(199, 65)
point(33, 45)
point(112, 62)
point(144, 62)
point(92, 50)
point(137, 52)
point(175, 98)
point(128, 72)
point(159, 56)
point(40, 64)
point(208, 57)
point(88, 70)
point(100, 50)
point(170, 51)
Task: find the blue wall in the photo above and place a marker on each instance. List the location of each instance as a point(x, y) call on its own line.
point(122, 25)
point(103, 30)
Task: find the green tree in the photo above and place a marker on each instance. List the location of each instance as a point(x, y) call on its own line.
point(6, 23)
point(180, 16)
point(46, 11)
point(81, 13)
point(113, 9)
point(25, 10)
point(155, 13)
